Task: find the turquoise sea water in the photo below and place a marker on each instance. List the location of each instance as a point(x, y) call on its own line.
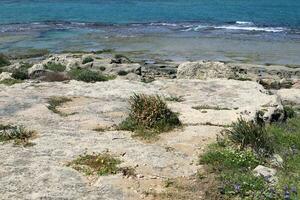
point(96, 24)
point(261, 12)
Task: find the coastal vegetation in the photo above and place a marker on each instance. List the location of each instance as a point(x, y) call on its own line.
point(207, 107)
point(245, 146)
point(87, 60)
point(149, 116)
point(55, 102)
point(100, 164)
point(87, 75)
point(56, 67)
point(4, 60)
point(19, 134)
point(21, 73)
point(10, 81)
point(175, 98)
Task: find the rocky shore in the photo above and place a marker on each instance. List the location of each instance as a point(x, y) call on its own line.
point(207, 95)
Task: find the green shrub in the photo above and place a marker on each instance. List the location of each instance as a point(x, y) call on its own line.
point(55, 102)
point(175, 98)
point(88, 75)
point(16, 133)
point(207, 107)
point(56, 67)
point(248, 134)
point(87, 60)
point(10, 81)
point(289, 112)
point(149, 115)
point(122, 73)
point(244, 185)
point(230, 158)
point(25, 65)
point(101, 164)
point(4, 60)
point(20, 74)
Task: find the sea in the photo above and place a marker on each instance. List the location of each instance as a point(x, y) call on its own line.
point(263, 31)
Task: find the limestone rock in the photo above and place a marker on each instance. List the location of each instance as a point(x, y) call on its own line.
point(203, 70)
point(5, 75)
point(41, 171)
point(272, 76)
point(276, 160)
point(267, 173)
point(35, 69)
point(289, 96)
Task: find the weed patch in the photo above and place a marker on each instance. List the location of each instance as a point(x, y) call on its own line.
point(4, 60)
point(10, 81)
point(100, 164)
point(248, 134)
point(233, 158)
point(18, 134)
point(175, 98)
point(87, 60)
point(56, 67)
point(55, 102)
point(207, 107)
point(149, 116)
point(88, 75)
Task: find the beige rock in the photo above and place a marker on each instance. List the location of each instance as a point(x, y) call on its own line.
point(40, 171)
point(5, 75)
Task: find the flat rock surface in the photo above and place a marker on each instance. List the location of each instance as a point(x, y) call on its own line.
point(40, 171)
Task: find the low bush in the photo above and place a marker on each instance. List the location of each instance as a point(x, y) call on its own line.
point(56, 67)
point(149, 116)
point(22, 72)
point(87, 60)
point(248, 134)
point(101, 164)
point(88, 75)
point(55, 102)
point(207, 107)
point(232, 165)
point(10, 81)
point(4, 60)
point(175, 98)
point(230, 158)
point(16, 133)
point(289, 112)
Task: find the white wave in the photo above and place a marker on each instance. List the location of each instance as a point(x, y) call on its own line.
point(249, 28)
point(244, 23)
point(163, 24)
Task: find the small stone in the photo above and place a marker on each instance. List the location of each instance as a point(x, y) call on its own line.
point(140, 176)
point(276, 160)
point(5, 75)
point(267, 173)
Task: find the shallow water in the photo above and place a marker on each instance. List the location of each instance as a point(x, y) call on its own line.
point(247, 31)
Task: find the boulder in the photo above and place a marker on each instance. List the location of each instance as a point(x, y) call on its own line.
point(267, 173)
point(203, 70)
point(5, 75)
point(276, 160)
